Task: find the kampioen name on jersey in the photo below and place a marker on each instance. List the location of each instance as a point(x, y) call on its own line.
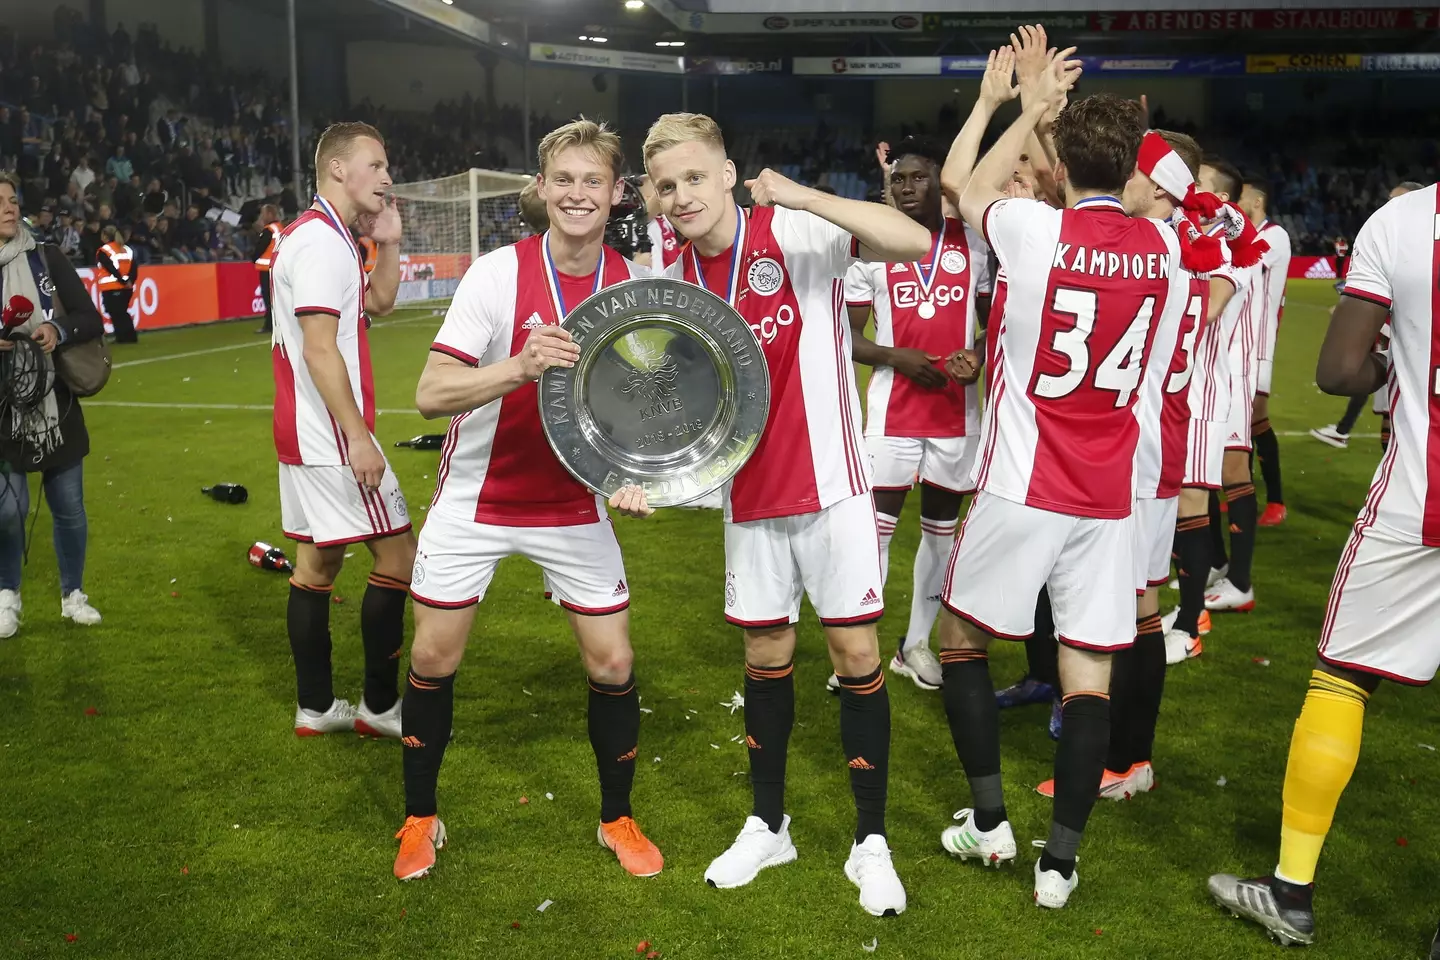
point(1103, 263)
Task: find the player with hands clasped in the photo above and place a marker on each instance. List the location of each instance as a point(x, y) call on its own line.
point(501, 491)
point(923, 410)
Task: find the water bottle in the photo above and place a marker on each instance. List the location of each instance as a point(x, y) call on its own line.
point(266, 557)
point(227, 493)
point(426, 441)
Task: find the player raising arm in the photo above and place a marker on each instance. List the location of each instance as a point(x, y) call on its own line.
point(336, 488)
point(500, 491)
point(1089, 288)
point(1379, 622)
point(799, 517)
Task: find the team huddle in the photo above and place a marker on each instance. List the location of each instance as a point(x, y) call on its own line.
point(1128, 288)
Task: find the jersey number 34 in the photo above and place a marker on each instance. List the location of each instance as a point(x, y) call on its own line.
point(1119, 372)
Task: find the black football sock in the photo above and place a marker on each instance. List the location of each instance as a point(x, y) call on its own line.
point(1124, 688)
point(769, 717)
point(1147, 680)
point(1218, 556)
point(307, 618)
point(975, 727)
point(1241, 497)
point(425, 722)
point(1079, 764)
point(1267, 451)
point(614, 736)
point(1041, 653)
point(1352, 413)
point(1192, 560)
point(382, 628)
point(865, 735)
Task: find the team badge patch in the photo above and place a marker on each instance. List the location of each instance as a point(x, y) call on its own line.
point(730, 590)
point(417, 576)
point(765, 276)
point(952, 261)
point(399, 506)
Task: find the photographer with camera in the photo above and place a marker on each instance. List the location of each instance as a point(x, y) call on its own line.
point(43, 305)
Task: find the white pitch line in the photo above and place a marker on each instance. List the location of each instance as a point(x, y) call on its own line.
point(1306, 433)
point(247, 346)
point(265, 407)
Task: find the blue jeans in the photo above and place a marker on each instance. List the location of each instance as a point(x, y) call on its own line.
point(65, 492)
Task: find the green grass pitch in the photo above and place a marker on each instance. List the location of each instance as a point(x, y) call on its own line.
point(154, 802)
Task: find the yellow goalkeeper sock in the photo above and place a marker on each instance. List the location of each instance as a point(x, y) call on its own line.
point(1323, 751)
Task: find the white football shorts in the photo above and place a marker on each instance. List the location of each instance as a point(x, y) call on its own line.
point(832, 556)
point(327, 506)
point(1007, 551)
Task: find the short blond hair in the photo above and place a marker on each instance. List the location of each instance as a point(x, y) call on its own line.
point(673, 129)
point(532, 208)
point(338, 140)
point(582, 133)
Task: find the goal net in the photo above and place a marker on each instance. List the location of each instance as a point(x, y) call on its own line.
point(449, 222)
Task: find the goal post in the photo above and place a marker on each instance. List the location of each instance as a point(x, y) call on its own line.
point(451, 221)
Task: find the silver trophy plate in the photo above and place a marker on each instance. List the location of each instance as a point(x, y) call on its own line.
point(670, 392)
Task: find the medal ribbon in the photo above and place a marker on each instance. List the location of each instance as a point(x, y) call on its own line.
point(737, 256)
point(552, 277)
point(925, 271)
point(333, 217)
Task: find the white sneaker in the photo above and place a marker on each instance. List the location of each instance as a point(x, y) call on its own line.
point(1329, 434)
point(76, 607)
point(340, 718)
point(1051, 889)
point(1215, 575)
point(9, 613)
point(753, 850)
point(1224, 595)
point(1180, 646)
point(1167, 622)
point(371, 724)
point(968, 842)
point(920, 665)
point(870, 869)
point(1142, 778)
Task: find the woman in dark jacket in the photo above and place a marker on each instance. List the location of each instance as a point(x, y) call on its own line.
point(45, 436)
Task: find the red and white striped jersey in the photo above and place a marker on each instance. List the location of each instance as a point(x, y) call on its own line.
point(664, 244)
point(784, 274)
point(1087, 289)
point(1396, 263)
point(1164, 410)
point(496, 466)
point(1270, 290)
point(925, 306)
point(316, 269)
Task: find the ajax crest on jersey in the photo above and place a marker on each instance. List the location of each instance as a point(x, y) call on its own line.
point(952, 261)
point(671, 390)
point(764, 276)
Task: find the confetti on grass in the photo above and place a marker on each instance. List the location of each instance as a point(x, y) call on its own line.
point(642, 946)
point(736, 702)
point(870, 947)
point(1221, 782)
point(1426, 746)
point(544, 906)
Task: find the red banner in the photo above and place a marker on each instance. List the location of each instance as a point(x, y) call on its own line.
point(180, 294)
point(1312, 268)
point(1208, 21)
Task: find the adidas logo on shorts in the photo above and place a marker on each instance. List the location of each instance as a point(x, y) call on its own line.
point(870, 598)
point(620, 589)
point(533, 322)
